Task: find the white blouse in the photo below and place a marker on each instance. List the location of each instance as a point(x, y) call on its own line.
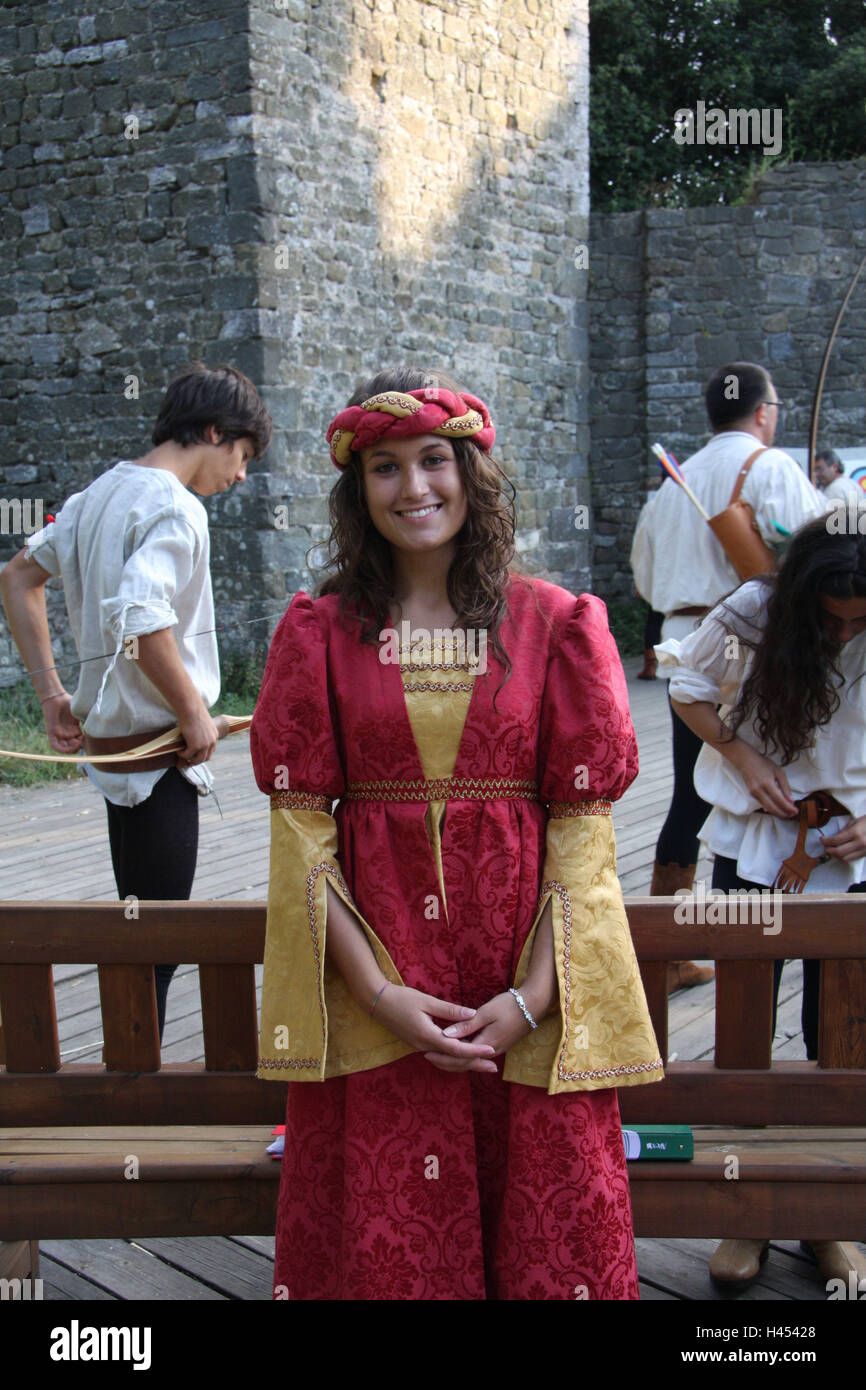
point(133, 553)
point(707, 665)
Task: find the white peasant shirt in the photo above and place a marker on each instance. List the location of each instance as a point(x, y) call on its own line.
point(133, 552)
point(707, 665)
point(676, 559)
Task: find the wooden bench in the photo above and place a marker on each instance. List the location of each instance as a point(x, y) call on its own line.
point(134, 1148)
point(797, 1130)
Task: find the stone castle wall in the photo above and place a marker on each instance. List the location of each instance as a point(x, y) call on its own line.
point(674, 294)
point(312, 191)
point(309, 191)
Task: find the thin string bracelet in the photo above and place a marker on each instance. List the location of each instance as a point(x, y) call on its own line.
point(55, 696)
point(379, 995)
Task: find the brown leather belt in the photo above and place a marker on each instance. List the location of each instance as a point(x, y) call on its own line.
point(694, 612)
point(125, 741)
point(816, 810)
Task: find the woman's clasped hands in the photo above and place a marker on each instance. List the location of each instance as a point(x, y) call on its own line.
point(451, 1036)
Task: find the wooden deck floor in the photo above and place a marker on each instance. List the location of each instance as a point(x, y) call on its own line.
point(55, 845)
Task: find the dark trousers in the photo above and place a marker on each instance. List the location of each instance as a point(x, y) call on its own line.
point(652, 632)
point(678, 841)
point(726, 878)
point(154, 846)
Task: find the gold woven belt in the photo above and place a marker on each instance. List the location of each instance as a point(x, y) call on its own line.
point(555, 809)
point(439, 789)
point(444, 789)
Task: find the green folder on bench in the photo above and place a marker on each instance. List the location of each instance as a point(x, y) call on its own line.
point(658, 1141)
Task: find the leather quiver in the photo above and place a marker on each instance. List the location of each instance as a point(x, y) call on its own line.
point(737, 531)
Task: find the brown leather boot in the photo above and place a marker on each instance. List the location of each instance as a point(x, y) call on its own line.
point(836, 1259)
point(736, 1263)
point(650, 665)
point(669, 879)
point(684, 974)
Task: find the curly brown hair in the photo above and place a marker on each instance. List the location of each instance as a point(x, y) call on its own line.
point(360, 559)
point(794, 683)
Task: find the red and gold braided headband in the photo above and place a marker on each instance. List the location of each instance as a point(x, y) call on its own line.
point(398, 414)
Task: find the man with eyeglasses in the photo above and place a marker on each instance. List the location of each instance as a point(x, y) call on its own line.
point(682, 571)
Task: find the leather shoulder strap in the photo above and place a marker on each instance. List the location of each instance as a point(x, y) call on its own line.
point(741, 476)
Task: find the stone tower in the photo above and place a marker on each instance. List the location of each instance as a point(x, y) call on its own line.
point(308, 189)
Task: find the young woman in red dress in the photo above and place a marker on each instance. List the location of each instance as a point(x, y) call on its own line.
point(450, 985)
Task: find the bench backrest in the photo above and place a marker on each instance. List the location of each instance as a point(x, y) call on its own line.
point(226, 940)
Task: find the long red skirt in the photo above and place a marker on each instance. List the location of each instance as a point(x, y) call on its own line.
point(406, 1182)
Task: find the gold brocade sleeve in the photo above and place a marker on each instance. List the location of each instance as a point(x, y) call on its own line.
point(311, 1027)
point(602, 1035)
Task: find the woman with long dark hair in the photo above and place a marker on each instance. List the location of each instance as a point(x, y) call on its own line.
point(784, 760)
point(450, 985)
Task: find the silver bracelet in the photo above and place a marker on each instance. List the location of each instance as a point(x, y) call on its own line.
point(523, 1009)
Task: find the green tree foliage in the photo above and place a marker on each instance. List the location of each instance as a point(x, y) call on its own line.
point(651, 58)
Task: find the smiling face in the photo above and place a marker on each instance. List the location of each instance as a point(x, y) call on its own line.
point(844, 618)
point(414, 491)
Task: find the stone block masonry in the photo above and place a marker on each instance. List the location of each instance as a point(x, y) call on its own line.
point(309, 191)
point(675, 293)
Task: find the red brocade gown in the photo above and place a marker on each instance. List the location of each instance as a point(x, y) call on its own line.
point(457, 820)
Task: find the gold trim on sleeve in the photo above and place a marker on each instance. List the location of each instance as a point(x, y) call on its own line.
point(279, 1064)
point(631, 1069)
point(300, 801)
point(556, 809)
point(285, 1063)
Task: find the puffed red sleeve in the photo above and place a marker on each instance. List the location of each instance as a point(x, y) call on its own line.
point(292, 741)
point(602, 1034)
point(587, 744)
point(311, 1026)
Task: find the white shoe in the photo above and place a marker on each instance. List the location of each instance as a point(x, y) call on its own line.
point(276, 1149)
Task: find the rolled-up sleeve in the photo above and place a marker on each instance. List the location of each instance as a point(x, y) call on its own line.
point(41, 548)
point(710, 663)
point(160, 566)
point(697, 670)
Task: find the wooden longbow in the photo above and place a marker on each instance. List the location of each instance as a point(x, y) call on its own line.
point(816, 406)
point(169, 742)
